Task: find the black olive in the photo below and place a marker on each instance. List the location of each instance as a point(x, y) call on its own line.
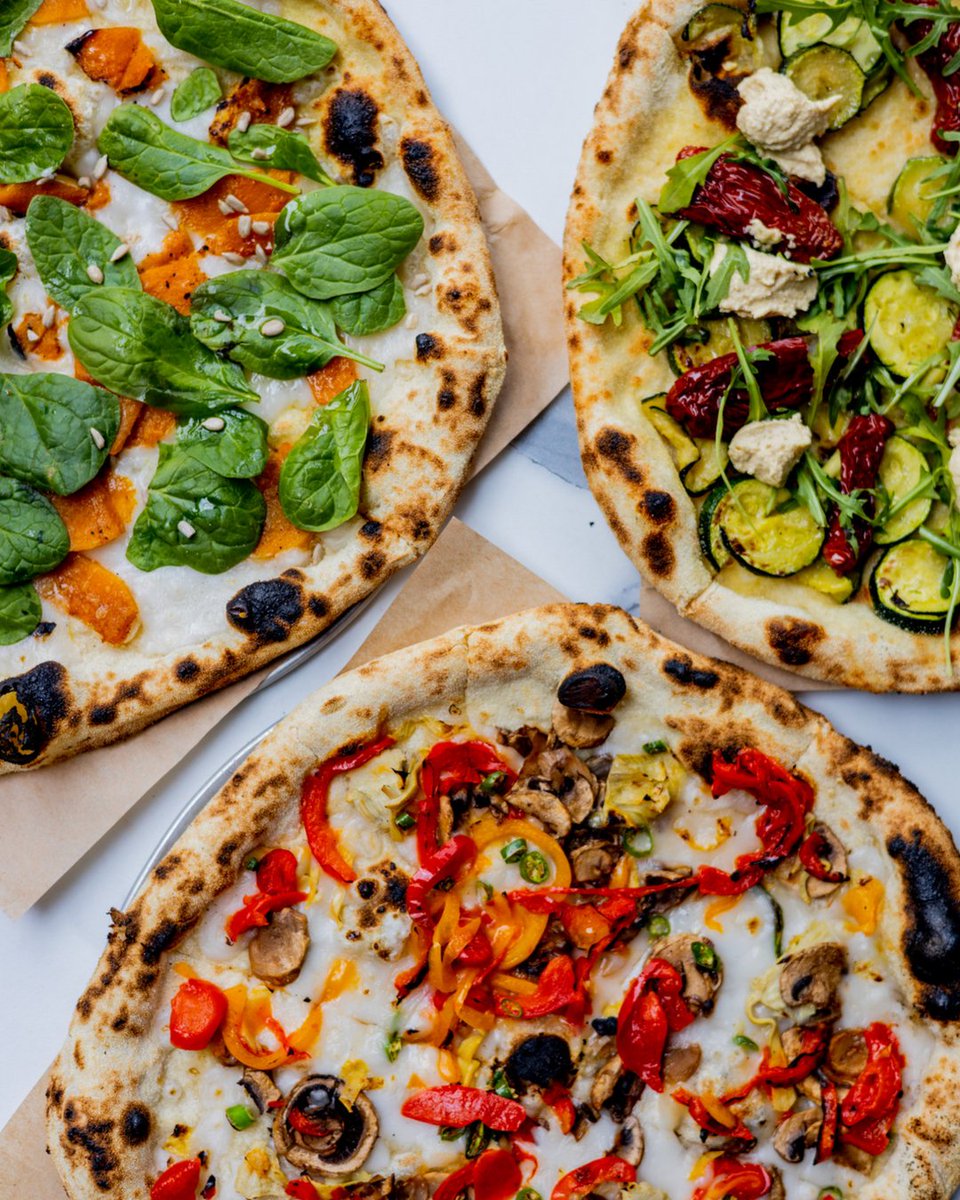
point(825, 194)
point(541, 1060)
point(598, 688)
point(604, 1026)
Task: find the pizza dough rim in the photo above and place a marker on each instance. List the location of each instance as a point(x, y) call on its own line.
point(462, 364)
point(707, 702)
point(627, 463)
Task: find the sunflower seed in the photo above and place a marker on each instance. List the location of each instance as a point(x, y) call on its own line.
point(94, 273)
point(287, 117)
point(243, 122)
point(236, 204)
point(186, 528)
point(49, 316)
point(121, 252)
point(225, 208)
point(158, 96)
point(97, 438)
point(244, 224)
point(234, 259)
point(214, 424)
point(101, 167)
point(260, 226)
point(273, 327)
point(223, 317)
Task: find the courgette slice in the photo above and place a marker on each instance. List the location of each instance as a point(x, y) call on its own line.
point(901, 470)
point(684, 356)
point(823, 71)
point(701, 475)
point(684, 449)
point(718, 23)
point(768, 531)
point(877, 83)
point(906, 322)
point(711, 539)
point(912, 196)
point(906, 587)
point(852, 34)
point(823, 578)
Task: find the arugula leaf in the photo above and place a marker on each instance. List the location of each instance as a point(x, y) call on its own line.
point(8, 269)
point(243, 39)
point(165, 162)
point(33, 539)
point(258, 300)
point(344, 239)
point(55, 431)
point(236, 450)
point(65, 242)
point(685, 176)
point(14, 15)
point(36, 132)
point(370, 312)
point(823, 353)
point(20, 612)
point(320, 477)
point(138, 346)
point(195, 94)
point(282, 149)
point(194, 517)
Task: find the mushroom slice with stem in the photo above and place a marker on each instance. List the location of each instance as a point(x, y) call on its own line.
point(835, 858)
point(318, 1134)
point(594, 859)
point(544, 807)
point(846, 1056)
point(811, 977)
point(278, 949)
point(570, 779)
point(260, 1087)
point(699, 967)
point(629, 1142)
point(796, 1133)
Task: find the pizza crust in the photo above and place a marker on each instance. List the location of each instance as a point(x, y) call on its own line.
point(99, 1126)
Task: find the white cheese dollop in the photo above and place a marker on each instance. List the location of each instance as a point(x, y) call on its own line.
point(769, 450)
point(951, 256)
point(776, 287)
point(782, 122)
point(763, 235)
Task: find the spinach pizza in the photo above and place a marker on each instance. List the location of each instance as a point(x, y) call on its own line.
point(543, 909)
point(250, 342)
point(763, 273)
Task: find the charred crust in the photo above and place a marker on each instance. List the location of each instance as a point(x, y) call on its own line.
point(77, 44)
point(372, 564)
point(187, 669)
point(135, 1124)
point(378, 448)
point(793, 641)
point(318, 607)
point(418, 163)
point(659, 506)
point(478, 400)
point(267, 609)
point(157, 943)
point(45, 79)
point(684, 672)
point(227, 851)
point(446, 399)
point(32, 706)
point(371, 530)
point(429, 347)
point(103, 714)
point(350, 134)
point(95, 1139)
point(615, 446)
point(658, 552)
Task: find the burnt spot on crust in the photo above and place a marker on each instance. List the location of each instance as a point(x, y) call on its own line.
point(95, 1140)
point(712, 85)
point(792, 640)
point(155, 944)
point(418, 163)
point(318, 607)
point(350, 134)
point(478, 400)
point(378, 448)
point(441, 242)
point(659, 506)
point(371, 530)
point(103, 714)
point(429, 347)
point(135, 1124)
point(267, 609)
point(187, 669)
point(616, 447)
point(372, 564)
point(683, 671)
point(466, 302)
point(932, 939)
point(658, 553)
point(32, 706)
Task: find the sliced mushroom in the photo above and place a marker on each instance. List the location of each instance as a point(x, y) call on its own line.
point(604, 1082)
point(544, 807)
point(855, 1158)
point(777, 1190)
point(701, 979)
point(541, 1060)
point(277, 950)
point(846, 1056)
point(811, 977)
point(679, 1063)
point(344, 1137)
point(260, 1087)
point(593, 860)
point(629, 1142)
point(796, 1133)
point(582, 730)
point(819, 889)
point(570, 779)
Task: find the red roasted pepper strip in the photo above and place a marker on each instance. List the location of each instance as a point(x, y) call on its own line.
point(814, 852)
point(178, 1182)
point(456, 1105)
point(813, 1047)
point(861, 450)
point(445, 863)
point(197, 1011)
point(549, 899)
point(735, 1180)
point(709, 1123)
point(652, 1009)
point(450, 765)
point(457, 1183)
point(556, 989)
point(313, 807)
point(277, 884)
point(557, 1099)
point(496, 1176)
point(870, 1107)
point(827, 1137)
point(609, 1169)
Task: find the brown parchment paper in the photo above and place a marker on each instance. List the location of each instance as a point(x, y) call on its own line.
point(464, 580)
point(527, 267)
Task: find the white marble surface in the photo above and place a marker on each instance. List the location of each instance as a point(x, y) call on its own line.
point(519, 78)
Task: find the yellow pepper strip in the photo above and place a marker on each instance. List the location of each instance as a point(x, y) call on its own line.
point(513, 983)
point(341, 976)
point(234, 1039)
point(862, 902)
point(185, 970)
point(704, 1161)
point(463, 935)
point(447, 1066)
point(717, 908)
point(622, 874)
point(718, 1110)
point(484, 1021)
point(440, 976)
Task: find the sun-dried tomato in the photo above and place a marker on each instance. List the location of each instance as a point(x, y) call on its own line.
point(861, 450)
point(946, 88)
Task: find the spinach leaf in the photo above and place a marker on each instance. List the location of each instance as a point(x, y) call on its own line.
point(320, 477)
point(280, 148)
point(138, 346)
point(233, 443)
point(14, 14)
point(65, 242)
point(55, 431)
point(33, 539)
point(370, 312)
point(20, 612)
point(8, 269)
point(194, 517)
point(254, 301)
point(36, 131)
point(343, 240)
point(195, 94)
point(243, 39)
point(165, 162)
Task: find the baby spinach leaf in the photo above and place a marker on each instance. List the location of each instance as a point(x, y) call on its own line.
point(33, 539)
point(320, 477)
point(243, 39)
point(343, 240)
point(194, 517)
point(8, 269)
point(14, 14)
point(164, 161)
point(195, 94)
point(138, 346)
point(65, 242)
point(237, 450)
point(284, 150)
point(255, 301)
point(55, 431)
point(370, 312)
point(20, 612)
point(36, 131)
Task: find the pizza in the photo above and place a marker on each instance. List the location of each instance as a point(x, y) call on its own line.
point(763, 290)
point(546, 908)
point(250, 342)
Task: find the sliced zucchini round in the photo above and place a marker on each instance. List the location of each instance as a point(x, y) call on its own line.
point(768, 531)
point(684, 449)
point(902, 468)
point(718, 23)
point(823, 578)
point(852, 34)
point(906, 587)
point(912, 196)
point(701, 475)
point(823, 71)
point(711, 539)
point(684, 356)
point(906, 322)
point(877, 83)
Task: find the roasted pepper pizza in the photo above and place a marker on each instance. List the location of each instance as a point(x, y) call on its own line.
point(544, 909)
point(250, 342)
point(763, 273)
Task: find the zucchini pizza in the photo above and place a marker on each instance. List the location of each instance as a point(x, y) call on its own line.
point(763, 291)
point(546, 909)
point(250, 342)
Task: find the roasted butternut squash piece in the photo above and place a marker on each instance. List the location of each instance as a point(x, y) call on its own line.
point(173, 274)
point(263, 101)
point(56, 12)
point(152, 426)
point(118, 57)
point(17, 196)
point(279, 534)
point(83, 588)
point(129, 412)
point(205, 214)
point(34, 338)
point(332, 379)
point(4, 76)
point(99, 512)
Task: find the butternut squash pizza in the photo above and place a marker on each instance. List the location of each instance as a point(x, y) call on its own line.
point(546, 909)
point(251, 340)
